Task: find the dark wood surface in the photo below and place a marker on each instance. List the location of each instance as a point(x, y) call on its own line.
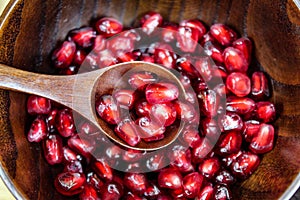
point(33, 28)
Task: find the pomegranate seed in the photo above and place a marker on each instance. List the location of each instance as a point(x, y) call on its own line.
point(260, 87)
point(223, 34)
point(93, 180)
point(185, 81)
point(102, 169)
point(90, 63)
point(74, 166)
point(147, 58)
point(191, 184)
point(184, 64)
point(128, 132)
point(69, 155)
point(132, 196)
point(235, 60)
point(221, 192)
point(228, 160)
point(143, 108)
point(113, 154)
point(231, 122)
point(204, 67)
point(161, 92)
point(265, 111)
point(108, 109)
point(108, 26)
point(150, 129)
point(169, 32)
point(152, 191)
point(206, 193)
point(207, 37)
point(126, 57)
point(187, 38)
point(81, 145)
point(251, 128)
point(170, 178)
point(125, 98)
point(71, 70)
point(51, 120)
point(196, 24)
point(214, 51)
point(62, 57)
point(65, 123)
point(245, 165)
point(244, 45)
point(120, 44)
point(224, 177)
point(155, 162)
point(165, 57)
point(239, 84)
point(132, 155)
point(53, 149)
point(78, 59)
point(88, 128)
point(209, 167)
point(135, 182)
point(186, 112)
point(83, 37)
point(150, 21)
point(180, 158)
point(99, 43)
point(240, 105)
point(229, 143)
point(263, 141)
point(38, 130)
point(106, 58)
point(209, 103)
point(89, 193)
point(38, 105)
point(190, 136)
point(70, 183)
point(111, 190)
point(202, 149)
point(178, 194)
point(141, 80)
point(164, 197)
point(164, 113)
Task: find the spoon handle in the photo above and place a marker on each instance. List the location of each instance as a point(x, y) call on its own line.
point(52, 87)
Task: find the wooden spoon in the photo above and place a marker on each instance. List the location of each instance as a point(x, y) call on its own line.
point(78, 92)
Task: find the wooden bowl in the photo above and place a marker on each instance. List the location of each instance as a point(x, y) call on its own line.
point(30, 30)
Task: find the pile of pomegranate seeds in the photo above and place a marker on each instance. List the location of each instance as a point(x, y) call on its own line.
point(221, 146)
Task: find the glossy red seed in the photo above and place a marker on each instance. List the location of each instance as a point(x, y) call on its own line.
point(231, 122)
point(184, 64)
point(126, 57)
point(51, 120)
point(83, 37)
point(38, 105)
point(147, 58)
point(196, 24)
point(169, 32)
point(201, 150)
point(108, 109)
point(156, 162)
point(106, 58)
point(38, 130)
point(227, 160)
point(221, 192)
point(210, 129)
point(170, 178)
point(65, 123)
point(150, 129)
point(251, 128)
point(229, 143)
point(142, 108)
point(99, 43)
point(223, 34)
point(204, 66)
point(161, 92)
point(81, 145)
point(102, 169)
point(191, 184)
point(89, 193)
point(209, 102)
point(150, 21)
point(207, 37)
point(108, 26)
point(152, 191)
point(71, 70)
point(125, 98)
point(70, 183)
point(78, 59)
point(90, 63)
point(240, 105)
point(187, 112)
point(214, 51)
point(53, 149)
point(128, 132)
point(209, 167)
point(62, 57)
point(87, 128)
point(69, 155)
point(190, 136)
point(265, 111)
point(180, 158)
point(93, 180)
point(132, 196)
point(245, 165)
point(164, 197)
point(141, 80)
point(245, 46)
point(135, 182)
point(235, 60)
point(263, 141)
point(239, 84)
point(260, 86)
point(73, 166)
point(206, 193)
point(120, 44)
point(165, 57)
point(178, 194)
point(164, 113)
point(224, 177)
point(131, 155)
point(111, 191)
point(187, 38)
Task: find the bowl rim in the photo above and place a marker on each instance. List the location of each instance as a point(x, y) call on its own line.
point(288, 193)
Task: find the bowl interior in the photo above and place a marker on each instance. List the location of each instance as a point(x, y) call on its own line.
point(31, 29)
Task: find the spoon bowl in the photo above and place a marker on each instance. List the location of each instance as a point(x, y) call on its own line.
point(78, 92)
